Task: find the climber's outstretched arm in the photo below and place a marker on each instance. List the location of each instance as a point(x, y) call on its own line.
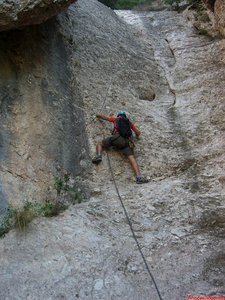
point(103, 117)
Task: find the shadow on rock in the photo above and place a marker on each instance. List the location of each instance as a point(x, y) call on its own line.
point(212, 222)
point(214, 270)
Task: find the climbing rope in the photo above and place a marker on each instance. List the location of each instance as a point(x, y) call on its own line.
point(119, 196)
point(130, 223)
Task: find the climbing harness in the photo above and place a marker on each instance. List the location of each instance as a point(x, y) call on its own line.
point(130, 223)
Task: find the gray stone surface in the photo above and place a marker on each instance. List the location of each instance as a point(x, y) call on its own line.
point(19, 13)
point(88, 252)
point(42, 119)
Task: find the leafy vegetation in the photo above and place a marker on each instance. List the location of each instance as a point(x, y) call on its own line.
point(128, 4)
point(20, 218)
point(62, 186)
point(125, 4)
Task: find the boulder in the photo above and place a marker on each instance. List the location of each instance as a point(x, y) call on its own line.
point(19, 13)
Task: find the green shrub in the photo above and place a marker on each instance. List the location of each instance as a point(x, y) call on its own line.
point(110, 3)
point(49, 209)
point(45, 209)
point(20, 218)
point(124, 4)
point(62, 186)
point(17, 218)
point(129, 4)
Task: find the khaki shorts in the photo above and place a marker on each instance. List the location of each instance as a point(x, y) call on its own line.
point(120, 143)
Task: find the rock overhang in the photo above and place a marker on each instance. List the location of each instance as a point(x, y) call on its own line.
point(19, 13)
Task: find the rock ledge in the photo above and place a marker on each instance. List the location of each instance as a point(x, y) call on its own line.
point(17, 13)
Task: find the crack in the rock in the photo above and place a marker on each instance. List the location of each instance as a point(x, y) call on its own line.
point(171, 50)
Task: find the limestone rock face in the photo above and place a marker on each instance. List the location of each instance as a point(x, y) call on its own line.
point(220, 16)
point(42, 132)
point(19, 13)
point(169, 79)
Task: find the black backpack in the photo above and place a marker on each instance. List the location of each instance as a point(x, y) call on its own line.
point(124, 127)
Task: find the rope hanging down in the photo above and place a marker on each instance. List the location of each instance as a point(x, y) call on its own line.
point(130, 223)
point(131, 228)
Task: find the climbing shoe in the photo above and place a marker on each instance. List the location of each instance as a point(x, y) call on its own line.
point(97, 159)
point(141, 179)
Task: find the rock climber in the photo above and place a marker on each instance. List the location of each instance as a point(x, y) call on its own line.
point(121, 139)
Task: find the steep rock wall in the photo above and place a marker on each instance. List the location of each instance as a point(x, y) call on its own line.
point(42, 122)
point(170, 81)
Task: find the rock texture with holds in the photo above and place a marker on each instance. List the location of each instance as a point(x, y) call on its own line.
point(170, 81)
point(219, 11)
point(42, 116)
point(19, 13)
